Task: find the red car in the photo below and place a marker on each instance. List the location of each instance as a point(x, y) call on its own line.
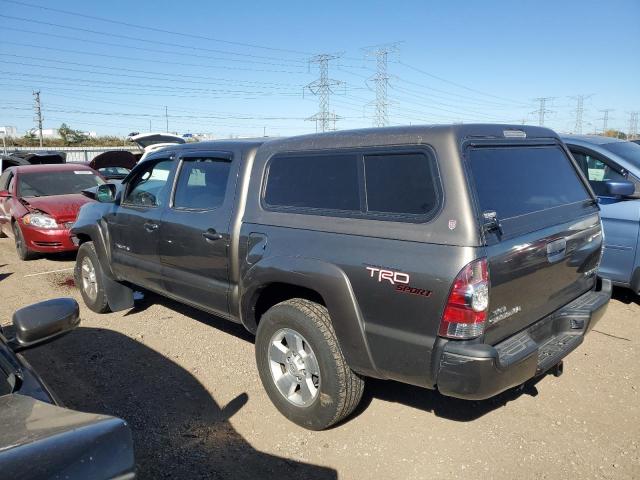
point(39, 203)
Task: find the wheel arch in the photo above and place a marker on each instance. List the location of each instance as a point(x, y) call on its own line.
point(276, 279)
point(119, 296)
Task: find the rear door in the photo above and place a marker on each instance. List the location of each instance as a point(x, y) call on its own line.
point(194, 237)
point(547, 250)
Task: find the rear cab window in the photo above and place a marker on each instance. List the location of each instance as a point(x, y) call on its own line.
point(527, 187)
point(391, 185)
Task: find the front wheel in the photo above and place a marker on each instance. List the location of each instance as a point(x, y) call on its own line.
point(24, 253)
point(302, 367)
point(89, 279)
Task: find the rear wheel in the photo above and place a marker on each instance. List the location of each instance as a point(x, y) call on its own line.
point(302, 367)
point(21, 245)
point(89, 279)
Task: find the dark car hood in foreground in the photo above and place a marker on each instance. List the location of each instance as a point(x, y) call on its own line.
point(58, 206)
point(66, 443)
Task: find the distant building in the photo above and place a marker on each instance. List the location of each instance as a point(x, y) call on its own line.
point(48, 133)
point(9, 131)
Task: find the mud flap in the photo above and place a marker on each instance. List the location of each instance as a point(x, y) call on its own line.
point(119, 296)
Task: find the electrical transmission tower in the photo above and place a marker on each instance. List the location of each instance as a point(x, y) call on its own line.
point(38, 110)
point(605, 119)
point(633, 125)
point(542, 109)
point(323, 87)
point(381, 79)
point(579, 112)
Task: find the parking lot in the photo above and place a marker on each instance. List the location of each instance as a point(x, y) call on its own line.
point(187, 384)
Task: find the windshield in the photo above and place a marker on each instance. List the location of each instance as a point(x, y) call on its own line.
point(628, 150)
point(43, 184)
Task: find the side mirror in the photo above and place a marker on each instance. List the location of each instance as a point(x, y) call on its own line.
point(619, 188)
point(44, 321)
point(5, 194)
point(106, 193)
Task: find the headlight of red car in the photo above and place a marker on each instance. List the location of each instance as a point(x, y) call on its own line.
point(39, 220)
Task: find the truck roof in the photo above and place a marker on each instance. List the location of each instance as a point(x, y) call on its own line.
point(405, 134)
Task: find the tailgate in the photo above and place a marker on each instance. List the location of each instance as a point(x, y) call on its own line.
point(546, 251)
point(536, 274)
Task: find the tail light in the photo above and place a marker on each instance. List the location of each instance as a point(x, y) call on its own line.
point(465, 315)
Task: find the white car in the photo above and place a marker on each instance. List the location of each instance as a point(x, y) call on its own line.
point(150, 142)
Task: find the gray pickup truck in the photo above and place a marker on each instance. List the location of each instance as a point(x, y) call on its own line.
point(459, 258)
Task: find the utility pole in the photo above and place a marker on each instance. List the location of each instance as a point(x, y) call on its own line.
point(323, 87)
point(542, 109)
point(38, 109)
point(605, 119)
point(166, 117)
point(633, 125)
point(381, 79)
point(149, 125)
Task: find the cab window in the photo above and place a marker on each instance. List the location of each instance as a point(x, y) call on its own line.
point(150, 185)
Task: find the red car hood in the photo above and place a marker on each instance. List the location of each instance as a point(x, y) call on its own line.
point(60, 207)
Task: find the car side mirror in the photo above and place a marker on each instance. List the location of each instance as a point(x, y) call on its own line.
point(5, 194)
point(44, 321)
point(106, 193)
point(619, 188)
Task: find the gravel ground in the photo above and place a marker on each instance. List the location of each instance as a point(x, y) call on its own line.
point(187, 384)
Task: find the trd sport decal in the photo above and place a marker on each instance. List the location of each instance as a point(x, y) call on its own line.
point(399, 279)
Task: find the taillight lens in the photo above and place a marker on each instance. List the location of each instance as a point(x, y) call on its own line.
point(468, 303)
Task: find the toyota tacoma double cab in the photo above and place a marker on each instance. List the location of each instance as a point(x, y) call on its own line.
point(460, 258)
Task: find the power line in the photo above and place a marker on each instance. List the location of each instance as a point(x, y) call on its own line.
point(323, 88)
point(444, 80)
point(180, 76)
point(154, 29)
point(144, 77)
point(147, 87)
point(299, 63)
point(149, 59)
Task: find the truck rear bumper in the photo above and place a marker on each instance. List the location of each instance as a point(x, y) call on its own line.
point(479, 371)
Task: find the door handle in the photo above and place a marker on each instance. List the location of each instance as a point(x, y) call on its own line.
point(210, 235)
point(150, 226)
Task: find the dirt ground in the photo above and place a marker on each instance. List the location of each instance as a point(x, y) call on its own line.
point(187, 384)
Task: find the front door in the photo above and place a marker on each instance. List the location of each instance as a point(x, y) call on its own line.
point(194, 237)
point(135, 225)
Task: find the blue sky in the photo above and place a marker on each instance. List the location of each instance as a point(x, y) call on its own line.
point(239, 68)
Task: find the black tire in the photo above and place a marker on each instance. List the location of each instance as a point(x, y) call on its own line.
point(340, 389)
point(97, 301)
point(21, 245)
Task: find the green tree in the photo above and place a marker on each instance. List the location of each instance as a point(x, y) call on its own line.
point(70, 136)
point(30, 138)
